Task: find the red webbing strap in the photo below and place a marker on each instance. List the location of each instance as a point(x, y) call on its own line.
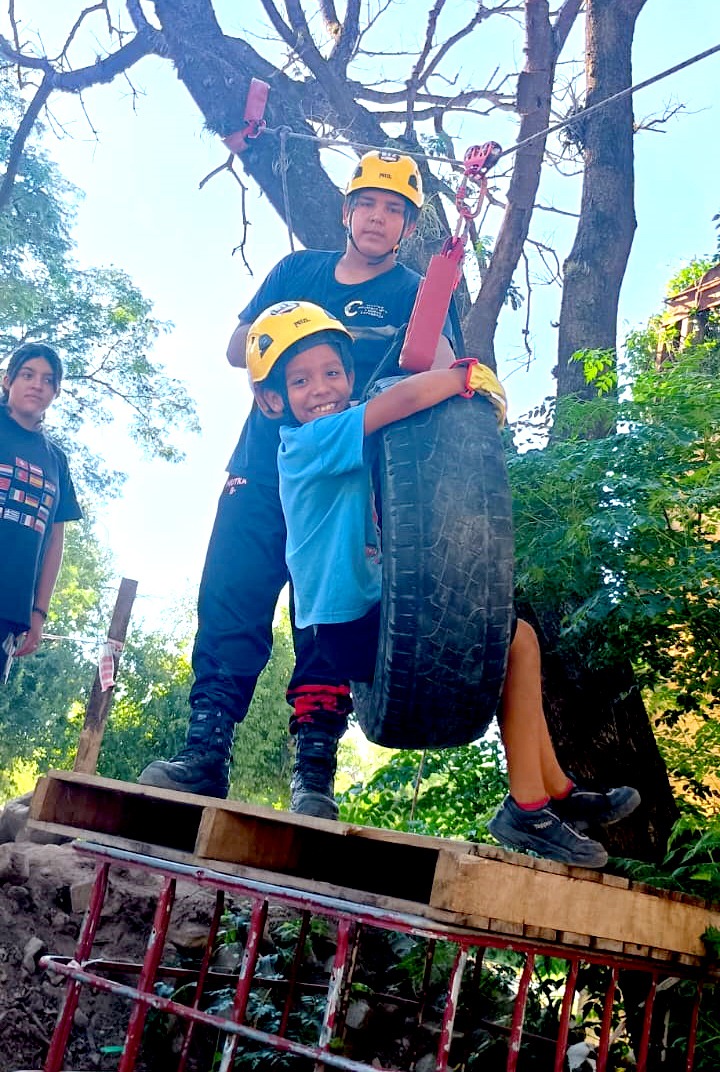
point(431, 307)
point(254, 112)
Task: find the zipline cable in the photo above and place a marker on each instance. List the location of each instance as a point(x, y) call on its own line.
point(285, 132)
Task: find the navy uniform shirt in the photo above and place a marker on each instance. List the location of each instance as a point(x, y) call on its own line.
point(373, 312)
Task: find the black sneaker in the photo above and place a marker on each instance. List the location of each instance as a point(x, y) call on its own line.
point(543, 832)
point(597, 806)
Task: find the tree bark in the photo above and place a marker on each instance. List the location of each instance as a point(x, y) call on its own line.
point(595, 267)
point(534, 94)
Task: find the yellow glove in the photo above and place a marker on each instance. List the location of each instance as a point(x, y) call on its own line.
point(482, 380)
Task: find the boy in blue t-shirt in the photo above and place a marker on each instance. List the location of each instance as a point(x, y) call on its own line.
point(300, 363)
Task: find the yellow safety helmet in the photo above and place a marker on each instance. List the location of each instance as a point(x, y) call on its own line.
point(281, 326)
point(388, 171)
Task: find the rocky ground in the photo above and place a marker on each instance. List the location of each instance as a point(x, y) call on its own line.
point(44, 890)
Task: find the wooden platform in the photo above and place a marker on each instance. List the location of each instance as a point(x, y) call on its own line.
point(456, 882)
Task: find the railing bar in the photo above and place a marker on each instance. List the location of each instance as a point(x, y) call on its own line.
point(565, 1012)
point(202, 976)
point(644, 1047)
point(298, 958)
point(606, 1026)
point(345, 933)
point(256, 928)
point(56, 1053)
point(146, 982)
point(450, 1011)
point(515, 1039)
point(692, 1036)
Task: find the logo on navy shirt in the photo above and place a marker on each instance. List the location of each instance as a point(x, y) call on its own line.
point(361, 308)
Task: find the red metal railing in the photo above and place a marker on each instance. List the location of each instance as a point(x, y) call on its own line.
point(351, 919)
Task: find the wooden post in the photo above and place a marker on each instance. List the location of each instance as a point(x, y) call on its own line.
point(99, 702)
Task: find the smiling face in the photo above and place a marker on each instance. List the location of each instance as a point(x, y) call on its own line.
point(317, 383)
point(31, 391)
point(377, 221)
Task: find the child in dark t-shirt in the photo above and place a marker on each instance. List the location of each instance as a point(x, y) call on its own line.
point(36, 499)
point(300, 362)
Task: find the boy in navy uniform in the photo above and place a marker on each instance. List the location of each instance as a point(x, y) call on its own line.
point(245, 570)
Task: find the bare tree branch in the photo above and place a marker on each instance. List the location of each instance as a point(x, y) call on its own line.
point(657, 121)
point(137, 16)
point(21, 136)
point(281, 27)
point(481, 14)
point(329, 14)
point(78, 23)
point(349, 37)
point(564, 21)
point(554, 270)
point(415, 80)
point(552, 208)
point(378, 96)
point(103, 70)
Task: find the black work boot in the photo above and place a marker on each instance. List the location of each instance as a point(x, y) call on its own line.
point(313, 776)
point(203, 765)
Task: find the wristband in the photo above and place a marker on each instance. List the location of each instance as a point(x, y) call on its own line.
point(466, 363)
point(43, 613)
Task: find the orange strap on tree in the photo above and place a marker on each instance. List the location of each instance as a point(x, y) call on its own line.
point(443, 274)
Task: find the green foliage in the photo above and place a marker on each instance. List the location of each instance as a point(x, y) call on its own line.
point(43, 706)
point(150, 713)
point(618, 536)
point(102, 325)
point(459, 791)
point(600, 369)
point(688, 276)
point(692, 861)
point(46, 693)
point(262, 755)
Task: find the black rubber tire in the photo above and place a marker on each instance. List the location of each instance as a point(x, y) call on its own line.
point(447, 596)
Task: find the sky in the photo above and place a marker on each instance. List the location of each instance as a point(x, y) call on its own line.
point(142, 211)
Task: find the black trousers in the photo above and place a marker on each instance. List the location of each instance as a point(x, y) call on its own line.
point(243, 576)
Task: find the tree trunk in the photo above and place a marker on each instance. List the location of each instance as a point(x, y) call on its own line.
point(216, 70)
point(594, 270)
point(543, 44)
point(597, 717)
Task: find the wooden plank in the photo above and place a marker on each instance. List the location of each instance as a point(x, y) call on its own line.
point(102, 808)
point(481, 887)
point(607, 945)
point(433, 916)
point(141, 848)
point(541, 934)
point(502, 926)
point(581, 941)
point(348, 856)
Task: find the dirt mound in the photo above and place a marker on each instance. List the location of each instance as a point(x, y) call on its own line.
point(44, 891)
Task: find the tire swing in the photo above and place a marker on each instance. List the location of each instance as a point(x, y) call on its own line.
point(447, 587)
